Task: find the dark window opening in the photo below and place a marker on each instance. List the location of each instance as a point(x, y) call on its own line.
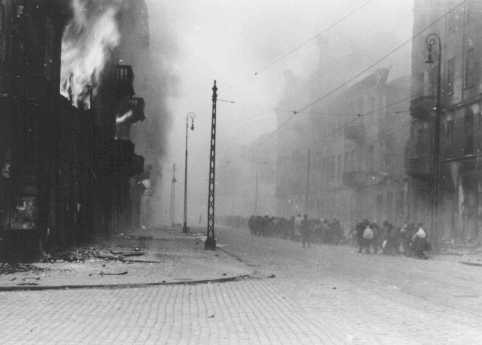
point(450, 126)
point(470, 68)
point(450, 76)
point(469, 133)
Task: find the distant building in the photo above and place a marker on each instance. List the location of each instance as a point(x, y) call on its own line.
point(246, 179)
point(347, 160)
point(459, 26)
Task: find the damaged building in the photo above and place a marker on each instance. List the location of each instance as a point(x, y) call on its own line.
point(460, 181)
point(69, 166)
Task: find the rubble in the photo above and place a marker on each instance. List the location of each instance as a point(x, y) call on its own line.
point(7, 268)
point(135, 252)
point(81, 255)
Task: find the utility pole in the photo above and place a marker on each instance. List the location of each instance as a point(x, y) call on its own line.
point(432, 41)
point(172, 208)
point(308, 176)
point(256, 191)
point(210, 243)
point(185, 229)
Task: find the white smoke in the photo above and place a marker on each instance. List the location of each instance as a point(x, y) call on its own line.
point(87, 44)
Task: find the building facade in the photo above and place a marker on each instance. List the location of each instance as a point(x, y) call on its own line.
point(458, 25)
point(65, 169)
point(347, 161)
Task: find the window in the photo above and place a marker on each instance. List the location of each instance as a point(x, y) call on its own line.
point(468, 16)
point(373, 105)
point(450, 76)
point(470, 68)
point(433, 77)
point(3, 45)
point(454, 20)
point(469, 133)
point(371, 157)
point(449, 131)
point(389, 205)
point(388, 162)
point(419, 84)
point(333, 167)
point(2, 19)
point(49, 50)
point(420, 143)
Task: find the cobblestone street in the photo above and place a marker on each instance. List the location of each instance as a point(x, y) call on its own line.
point(310, 300)
point(248, 312)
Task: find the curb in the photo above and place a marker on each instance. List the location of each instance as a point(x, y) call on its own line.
point(122, 286)
point(234, 256)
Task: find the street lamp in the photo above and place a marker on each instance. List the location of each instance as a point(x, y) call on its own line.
point(434, 41)
point(189, 117)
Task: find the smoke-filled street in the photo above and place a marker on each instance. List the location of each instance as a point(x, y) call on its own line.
point(322, 295)
point(241, 172)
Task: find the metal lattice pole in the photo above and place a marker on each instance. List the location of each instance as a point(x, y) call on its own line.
point(210, 243)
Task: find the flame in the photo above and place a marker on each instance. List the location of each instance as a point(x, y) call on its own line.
point(87, 45)
point(125, 117)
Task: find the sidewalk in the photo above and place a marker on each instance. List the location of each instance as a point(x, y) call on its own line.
point(467, 255)
point(150, 257)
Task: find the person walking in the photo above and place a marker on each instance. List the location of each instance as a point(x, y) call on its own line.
point(420, 243)
point(298, 222)
point(305, 232)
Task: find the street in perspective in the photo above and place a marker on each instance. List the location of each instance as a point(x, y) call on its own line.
point(257, 172)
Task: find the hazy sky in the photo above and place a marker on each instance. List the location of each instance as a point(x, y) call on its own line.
point(230, 40)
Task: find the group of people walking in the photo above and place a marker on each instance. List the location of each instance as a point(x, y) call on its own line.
point(299, 228)
point(410, 239)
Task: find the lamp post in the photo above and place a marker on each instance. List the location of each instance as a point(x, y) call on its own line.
point(434, 41)
point(191, 117)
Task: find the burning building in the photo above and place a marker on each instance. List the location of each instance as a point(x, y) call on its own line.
point(68, 101)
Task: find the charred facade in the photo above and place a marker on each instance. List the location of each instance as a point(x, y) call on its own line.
point(460, 182)
point(66, 170)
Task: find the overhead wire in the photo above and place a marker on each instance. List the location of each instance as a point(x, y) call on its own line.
point(360, 73)
point(315, 37)
point(363, 71)
point(375, 63)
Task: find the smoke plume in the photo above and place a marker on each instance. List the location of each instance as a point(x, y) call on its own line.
point(87, 43)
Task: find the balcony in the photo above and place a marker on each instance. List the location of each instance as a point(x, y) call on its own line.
point(138, 105)
point(355, 132)
point(419, 149)
point(422, 107)
point(137, 165)
point(124, 81)
point(361, 179)
point(120, 155)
